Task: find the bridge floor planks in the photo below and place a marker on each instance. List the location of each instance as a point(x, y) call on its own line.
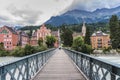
point(59, 67)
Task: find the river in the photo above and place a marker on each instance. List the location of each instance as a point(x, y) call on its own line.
point(5, 60)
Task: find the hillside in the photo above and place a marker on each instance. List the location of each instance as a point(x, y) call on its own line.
point(76, 16)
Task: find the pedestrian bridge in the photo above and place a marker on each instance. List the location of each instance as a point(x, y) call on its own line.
point(63, 64)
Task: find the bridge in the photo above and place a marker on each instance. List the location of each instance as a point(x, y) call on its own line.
point(63, 64)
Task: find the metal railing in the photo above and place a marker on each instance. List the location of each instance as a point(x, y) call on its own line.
point(93, 68)
point(25, 68)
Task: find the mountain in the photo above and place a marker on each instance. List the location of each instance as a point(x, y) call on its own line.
point(76, 16)
point(17, 27)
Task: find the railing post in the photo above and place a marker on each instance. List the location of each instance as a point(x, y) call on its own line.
point(27, 69)
point(2, 73)
point(113, 71)
point(91, 68)
point(36, 63)
point(81, 62)
point(77, 59)
point(42, 59)
point(45, 56)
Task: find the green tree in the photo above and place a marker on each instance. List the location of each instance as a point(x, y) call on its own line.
point(1, 46)
point(18, 51)
point(87, 37)
point(86, 48)
point(114, 31)
point(77, 43)
point(29, 49)
point(50, 40)
point(40, 41)
point(66, 36)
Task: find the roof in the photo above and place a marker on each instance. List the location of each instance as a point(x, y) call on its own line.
point(55, 33)
point(75, 34)
point(99, 33)
point(23, 33)
point(11, 29)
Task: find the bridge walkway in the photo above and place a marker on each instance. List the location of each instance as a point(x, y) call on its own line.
point(59, 67)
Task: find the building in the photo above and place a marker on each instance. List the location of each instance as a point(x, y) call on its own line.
point(82, 33)
point(9, 37)
point(56, 34)
point(43, 32)
point(100, 40)
point(83, 29)
point(76, 34)
point(23, 38)
point(33, 40)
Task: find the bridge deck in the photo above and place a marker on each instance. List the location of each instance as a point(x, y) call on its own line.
point(59, 67)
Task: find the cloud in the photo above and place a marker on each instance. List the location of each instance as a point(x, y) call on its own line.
point(25, 15)
point(91, 5)
point(30, 12)
point(36, 12)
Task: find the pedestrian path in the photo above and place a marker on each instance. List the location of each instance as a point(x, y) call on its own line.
point(59, 67)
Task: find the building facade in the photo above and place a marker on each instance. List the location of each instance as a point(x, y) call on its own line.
point(23, 38)
point(33, 40)
point(43, 32)
point(9, 37)
point(100, 40)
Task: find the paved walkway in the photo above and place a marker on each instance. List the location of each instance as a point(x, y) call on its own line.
point(59, 67)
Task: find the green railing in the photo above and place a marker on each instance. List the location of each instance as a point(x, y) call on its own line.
point(93, 68)
point(25, 68)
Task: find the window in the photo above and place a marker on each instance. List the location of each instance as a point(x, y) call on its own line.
point(7, 35)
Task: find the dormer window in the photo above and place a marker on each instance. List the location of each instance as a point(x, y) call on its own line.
point(4, 32)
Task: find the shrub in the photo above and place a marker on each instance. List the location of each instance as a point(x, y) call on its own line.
point(86, 48)
point(77, 43)
point(18, 51)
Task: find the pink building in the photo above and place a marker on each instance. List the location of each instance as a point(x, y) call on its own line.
point(9, 37)
point(43, 32)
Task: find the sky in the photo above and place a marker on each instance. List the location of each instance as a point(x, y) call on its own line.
point(36, 12)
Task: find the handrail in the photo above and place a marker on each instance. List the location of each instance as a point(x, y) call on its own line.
point(26, 57)
point(26, 67)
point(94, 68)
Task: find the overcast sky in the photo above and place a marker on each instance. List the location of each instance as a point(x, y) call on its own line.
point(36, 12)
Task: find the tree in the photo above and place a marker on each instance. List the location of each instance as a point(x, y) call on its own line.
point(50, 40)
point(87, 37)
point(77, 43)
point(29, 49)
point(40, 41)
point(1, 46)
point(114, 31)
point(66, 36)
point(86, 48)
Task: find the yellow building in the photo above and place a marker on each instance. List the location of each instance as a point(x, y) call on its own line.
point(100, 40)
